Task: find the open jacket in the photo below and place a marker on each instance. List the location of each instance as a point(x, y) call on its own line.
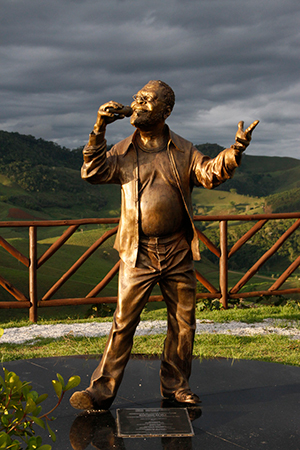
point(120, 165)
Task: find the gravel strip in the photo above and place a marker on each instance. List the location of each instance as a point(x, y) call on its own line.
point(93, 329)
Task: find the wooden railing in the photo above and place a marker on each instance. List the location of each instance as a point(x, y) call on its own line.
point(222, 292)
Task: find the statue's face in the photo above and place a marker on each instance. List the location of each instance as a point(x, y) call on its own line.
point(149, 107)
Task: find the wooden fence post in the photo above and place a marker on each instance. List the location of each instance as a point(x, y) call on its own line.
point(33, 274)
point(223, 264)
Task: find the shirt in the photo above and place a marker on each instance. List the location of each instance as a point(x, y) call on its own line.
point(120, 165)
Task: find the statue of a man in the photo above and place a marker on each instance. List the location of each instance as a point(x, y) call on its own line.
point(156, 239)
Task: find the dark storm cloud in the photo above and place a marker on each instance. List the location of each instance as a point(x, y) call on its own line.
point(227, 61)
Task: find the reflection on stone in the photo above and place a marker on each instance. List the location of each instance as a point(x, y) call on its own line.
point(179, 443)
point(100, 430)
point(176, 443)
point(193, 411)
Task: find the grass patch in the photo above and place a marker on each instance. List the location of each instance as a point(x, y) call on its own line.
point(152, 311)
point(272, 348)
point(252, 314)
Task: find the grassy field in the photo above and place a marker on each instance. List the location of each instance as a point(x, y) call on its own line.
point(93, 270)
point(276, 349)
point(272, 348)
point(214, 202)
point(81, 282)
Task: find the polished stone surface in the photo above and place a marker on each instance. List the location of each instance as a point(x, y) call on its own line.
point(245, 404)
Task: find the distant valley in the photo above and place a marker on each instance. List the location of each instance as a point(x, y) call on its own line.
point(41, 180)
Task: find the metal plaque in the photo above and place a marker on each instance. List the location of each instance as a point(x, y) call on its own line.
point(153, 422)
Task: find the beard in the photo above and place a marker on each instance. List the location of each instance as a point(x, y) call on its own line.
point(146, 119)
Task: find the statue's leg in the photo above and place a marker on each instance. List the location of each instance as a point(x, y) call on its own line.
point(178, 286)
point(135, 286)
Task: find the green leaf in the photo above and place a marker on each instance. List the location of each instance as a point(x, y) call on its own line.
point(73, 382)
point(11, 378)
point(34, 443)
point(38, 421)
point(57, 387)
point(37, 411)
point(60, 378)
point(5, 420)
point(41, 398)
point(34, 395)
point(44, 447)
point(4, 439)
point(39, 441)
point(7, 443)
point(15, 445)
point(30, 406)
point(26, 390)
point(17, 386)
point(19, 413)
point(51, 432)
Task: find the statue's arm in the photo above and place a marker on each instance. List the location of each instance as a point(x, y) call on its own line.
point(97, 167)
point(211, 172)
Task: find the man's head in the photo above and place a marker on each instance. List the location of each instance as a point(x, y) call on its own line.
point(152, 104)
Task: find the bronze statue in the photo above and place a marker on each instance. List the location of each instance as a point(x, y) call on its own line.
point(156, 239)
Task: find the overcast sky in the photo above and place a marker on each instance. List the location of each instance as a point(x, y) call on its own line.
point(227, 60)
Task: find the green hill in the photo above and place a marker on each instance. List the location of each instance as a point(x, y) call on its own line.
point(285, 201)
point(260, 176)
point(40, 179)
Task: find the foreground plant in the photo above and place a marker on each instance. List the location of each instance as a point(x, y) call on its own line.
point(20, 409)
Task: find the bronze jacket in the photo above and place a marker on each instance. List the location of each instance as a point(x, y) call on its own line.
point(120, 165)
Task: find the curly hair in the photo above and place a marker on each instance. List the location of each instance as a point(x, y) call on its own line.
point(168, 93)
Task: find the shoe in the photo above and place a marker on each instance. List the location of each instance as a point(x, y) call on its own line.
point(82, 400)
point(185, 396)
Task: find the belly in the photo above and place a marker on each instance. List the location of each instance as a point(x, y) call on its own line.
point(161, 210)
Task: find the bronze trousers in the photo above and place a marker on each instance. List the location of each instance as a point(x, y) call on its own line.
point(168, 262)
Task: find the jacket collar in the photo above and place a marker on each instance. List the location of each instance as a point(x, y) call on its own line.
point(176, 141)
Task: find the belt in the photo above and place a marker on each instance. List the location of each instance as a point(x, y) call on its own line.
point(162, 240)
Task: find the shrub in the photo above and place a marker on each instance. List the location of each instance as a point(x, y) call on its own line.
point(20, 409)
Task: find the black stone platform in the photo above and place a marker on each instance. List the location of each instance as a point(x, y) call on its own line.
point(245, 405)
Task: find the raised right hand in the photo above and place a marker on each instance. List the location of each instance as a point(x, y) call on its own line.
point(243, 138)
point(105, 117)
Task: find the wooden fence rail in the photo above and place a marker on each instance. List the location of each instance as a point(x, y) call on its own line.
point(222, 292)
